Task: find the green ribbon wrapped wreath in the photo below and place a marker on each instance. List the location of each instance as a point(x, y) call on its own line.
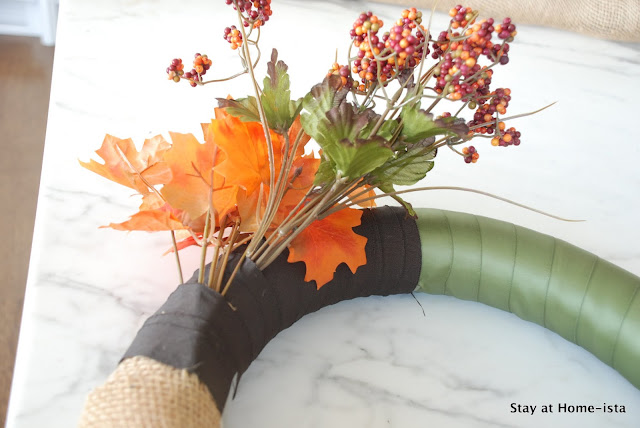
point(585, 299)
point(198, 341)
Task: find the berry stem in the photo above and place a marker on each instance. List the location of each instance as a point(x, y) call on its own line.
point(175, 250)
point(234, 233)
point(503, 119)
point(262, 229)
point(205, 243)
point(464, 189)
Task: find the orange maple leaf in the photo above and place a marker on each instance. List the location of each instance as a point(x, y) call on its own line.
point(192, 168)
point(247, 161)
point(125, 165)
point(150, 221)
point(326, 243)
point(246, 165)
point(156, 215)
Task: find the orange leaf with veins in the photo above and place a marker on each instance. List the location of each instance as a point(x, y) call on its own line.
point(125, 165)
point(326, 243)
point(247, 161)
point(246, 165)
point(192, 168)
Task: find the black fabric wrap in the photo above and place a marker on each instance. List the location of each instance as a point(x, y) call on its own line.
point(216, 337)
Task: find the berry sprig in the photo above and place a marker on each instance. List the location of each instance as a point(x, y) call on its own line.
point(255, 13)
point(365, 37)
point(175, 70)
point(380, 59)
point(193, 77)
point(407, 44)
point(506, 31)
point(471, 155)
point(459, 75)
point(366, 23)
point(461, 16)
point(233, 36)
point(201, 64)
point(484, 121)
point(510, 137)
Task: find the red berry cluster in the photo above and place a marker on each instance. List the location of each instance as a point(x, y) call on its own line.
point(175, 70)
point(484, 115)
point(506, 138)
point(400, 48)
point(471, 155)
point(401, 39)
point(366, 23)
point(233, 36)
point(459, 76)
point(201, 64)
point(365, 37)
point(343, 72)
point(256, 12)
point(461, 16)
point(506, 31)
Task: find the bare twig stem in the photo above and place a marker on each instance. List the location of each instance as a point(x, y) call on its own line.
point(175, 250)
point(267, 135)
point(205, 243)
point(464, 189)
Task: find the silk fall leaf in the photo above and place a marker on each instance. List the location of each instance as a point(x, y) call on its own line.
point(150, 221)
point(247, 161)
point(246, 164)
point(370, 194)
point(233, 161)
point(125, 165)
point(192, 168)
point(326, 243)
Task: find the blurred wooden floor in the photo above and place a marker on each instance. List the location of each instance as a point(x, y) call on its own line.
point(25, 81)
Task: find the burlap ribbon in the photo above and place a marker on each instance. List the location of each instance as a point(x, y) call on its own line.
point(607, 19)
point(145, 393)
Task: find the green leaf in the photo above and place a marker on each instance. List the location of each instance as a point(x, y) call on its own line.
point(338, 136)
point(342, 131)
point(322, 98)
point(340, 123)
point(278, 107)
point(360, 158)
point(407, 167)
point(326, 172)
point(419, 125)
point(245, 109)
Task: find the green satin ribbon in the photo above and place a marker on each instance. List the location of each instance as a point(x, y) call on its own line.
point(572, 292)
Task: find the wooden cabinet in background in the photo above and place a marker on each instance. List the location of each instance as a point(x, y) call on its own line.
point(30, 18)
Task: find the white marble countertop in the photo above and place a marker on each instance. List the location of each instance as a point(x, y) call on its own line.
point(375, 362)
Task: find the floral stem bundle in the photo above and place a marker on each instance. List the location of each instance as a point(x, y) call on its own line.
point(376, 122)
